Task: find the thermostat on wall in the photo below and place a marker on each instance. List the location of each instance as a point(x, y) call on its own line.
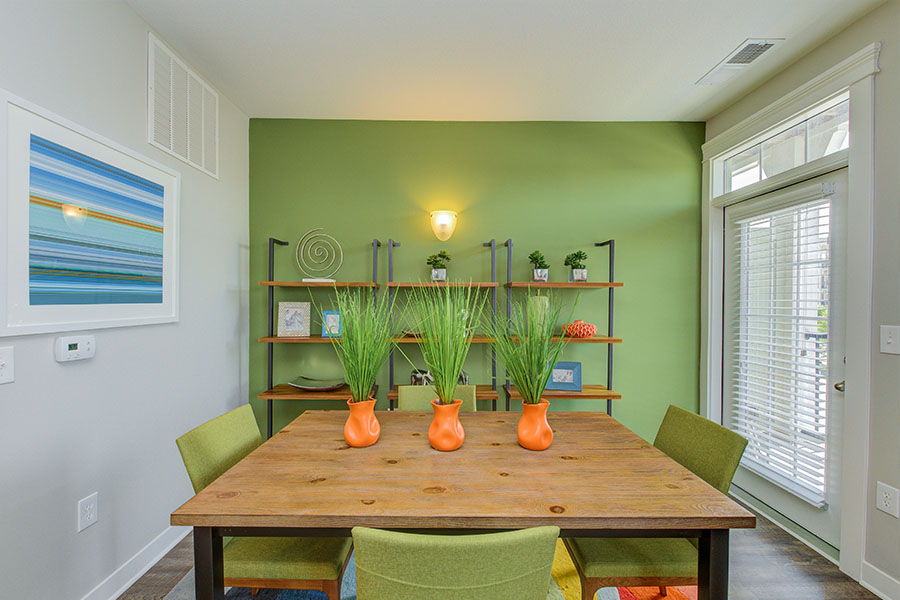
point(75, 347)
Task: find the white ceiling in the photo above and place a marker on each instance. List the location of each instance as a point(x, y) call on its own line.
point(509, 60)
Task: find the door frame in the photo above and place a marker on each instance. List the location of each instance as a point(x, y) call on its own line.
point(855, 76)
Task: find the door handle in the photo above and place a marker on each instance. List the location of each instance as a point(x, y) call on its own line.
point(839, 386)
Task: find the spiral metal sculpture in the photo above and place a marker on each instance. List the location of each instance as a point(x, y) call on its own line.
point(318, 254)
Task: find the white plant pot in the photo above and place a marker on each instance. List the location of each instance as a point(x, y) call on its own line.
point(439, 274)
point(541, 275)
point(578, 275)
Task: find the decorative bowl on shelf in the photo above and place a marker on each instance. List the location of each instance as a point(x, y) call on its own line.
point(316, 385)
point(580, 329)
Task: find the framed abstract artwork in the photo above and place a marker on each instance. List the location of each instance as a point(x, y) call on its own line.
point(91, 234)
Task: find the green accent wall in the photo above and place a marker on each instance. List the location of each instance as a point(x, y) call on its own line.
point(553, 186)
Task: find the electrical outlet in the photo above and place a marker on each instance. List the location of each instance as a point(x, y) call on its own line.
point(886, 499)
point(88, 511)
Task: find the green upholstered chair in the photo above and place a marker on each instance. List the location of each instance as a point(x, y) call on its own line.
point(708, 450)
point(419, 397)
point(408, 566)
point(280, 563)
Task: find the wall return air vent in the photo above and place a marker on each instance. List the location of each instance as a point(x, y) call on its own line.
point(738, 60)
point(182, 110)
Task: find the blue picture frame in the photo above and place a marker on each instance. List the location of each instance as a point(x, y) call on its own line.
point(566, 376)
point(335, 329)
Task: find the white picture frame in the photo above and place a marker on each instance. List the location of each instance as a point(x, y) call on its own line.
point(128, 280)
point(294, 319)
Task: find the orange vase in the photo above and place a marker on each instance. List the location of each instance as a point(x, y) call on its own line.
point(446, 432)
point(534, 430)
point(362, 428)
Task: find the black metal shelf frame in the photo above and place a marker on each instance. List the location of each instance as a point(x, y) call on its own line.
point(271, 320)
point(610, 312)
point(492, 244)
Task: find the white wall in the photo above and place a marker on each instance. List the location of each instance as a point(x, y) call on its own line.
point(882, 542)
point(109, 424)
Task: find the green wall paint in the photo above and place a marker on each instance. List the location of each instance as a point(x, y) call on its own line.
point(554, 186)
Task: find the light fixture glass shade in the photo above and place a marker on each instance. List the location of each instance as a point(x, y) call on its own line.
point(443, 222)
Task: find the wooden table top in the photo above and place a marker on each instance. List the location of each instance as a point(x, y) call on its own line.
point(597, 475)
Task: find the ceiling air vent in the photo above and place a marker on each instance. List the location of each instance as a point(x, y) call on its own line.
point(182, 110)
point(737, 61)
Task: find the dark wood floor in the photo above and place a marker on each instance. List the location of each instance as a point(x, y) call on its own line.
point(766, 564)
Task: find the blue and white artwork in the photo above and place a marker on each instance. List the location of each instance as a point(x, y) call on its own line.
point(90, 234)
point(95, 233)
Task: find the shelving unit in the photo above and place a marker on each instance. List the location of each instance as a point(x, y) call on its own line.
point(588, 392)
point(482, 392)
point(284, 391)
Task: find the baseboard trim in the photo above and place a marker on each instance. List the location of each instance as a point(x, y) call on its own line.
point(879, 583)
point(788, 526)
point(132, 569)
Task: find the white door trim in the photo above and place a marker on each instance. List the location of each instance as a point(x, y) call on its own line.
point(856, 74)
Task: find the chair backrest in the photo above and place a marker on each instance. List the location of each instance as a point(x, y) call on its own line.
point(419, 397)
point(708, 450)
point(214, 447)
point(392, 565)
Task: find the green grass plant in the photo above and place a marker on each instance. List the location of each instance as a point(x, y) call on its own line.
point(446, 318)
point(367, 338)
point(525, 344)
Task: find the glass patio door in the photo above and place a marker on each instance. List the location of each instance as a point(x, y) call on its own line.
point(783, 347)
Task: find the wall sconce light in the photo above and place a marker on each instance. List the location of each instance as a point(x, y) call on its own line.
point(443, 222)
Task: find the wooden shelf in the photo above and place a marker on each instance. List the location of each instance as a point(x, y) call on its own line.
point(318, 339)
point(482, 392)
point(563, 284)
point(441, 284)
point(597, 339)
point(313, 339)
point(476, 339)
point(320, 284)
point(588, 392)
point(283, 391)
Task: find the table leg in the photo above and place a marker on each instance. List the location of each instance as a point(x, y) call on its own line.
point(209, 577)
point(712, 569)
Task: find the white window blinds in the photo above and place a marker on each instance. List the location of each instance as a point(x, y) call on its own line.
point(776, 339)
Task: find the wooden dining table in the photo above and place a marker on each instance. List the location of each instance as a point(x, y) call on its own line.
point(597, 479)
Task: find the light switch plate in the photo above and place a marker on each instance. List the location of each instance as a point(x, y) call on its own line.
point(7, 365)
point(890, 339)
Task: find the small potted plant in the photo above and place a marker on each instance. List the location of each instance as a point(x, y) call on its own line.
point(578, 271)
point(541, 268)
point(438, 263)
point(362, 350)
point(447, 317)
point(528, 349)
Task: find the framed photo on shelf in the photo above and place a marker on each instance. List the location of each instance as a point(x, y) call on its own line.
point(566, 376)
point(331, 324)
point(293, 319)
